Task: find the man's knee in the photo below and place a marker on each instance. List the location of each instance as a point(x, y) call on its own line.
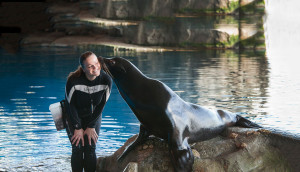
point(90, 148)
point(87, 146)
point(77, 149)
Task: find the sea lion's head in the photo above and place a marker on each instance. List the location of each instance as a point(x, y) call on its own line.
point(116, 67)
point(127, 77)
point(121, 70)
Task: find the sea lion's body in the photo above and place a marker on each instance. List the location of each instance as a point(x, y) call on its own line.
point(164, 114)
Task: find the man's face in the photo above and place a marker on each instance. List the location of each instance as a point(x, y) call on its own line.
point(92, 66)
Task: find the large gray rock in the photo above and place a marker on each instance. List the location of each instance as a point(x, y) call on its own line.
point(77, 23)
point(123, 9)
point(181, 32)
point(237, 149)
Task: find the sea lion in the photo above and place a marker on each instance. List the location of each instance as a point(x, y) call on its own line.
point(164, 114)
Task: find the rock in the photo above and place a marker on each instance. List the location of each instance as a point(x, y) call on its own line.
point(177, 33)
point(131, 167)
point(124, 9)
point(196, 153)
point(148, 159)
point(236, 149)
point(233, 135)
point(135, 24)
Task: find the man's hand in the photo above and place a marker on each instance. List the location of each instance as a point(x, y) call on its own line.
point(78, 135)
point(92, 135)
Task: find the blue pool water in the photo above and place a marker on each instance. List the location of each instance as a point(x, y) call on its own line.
point(30, 82)
point(33, 79)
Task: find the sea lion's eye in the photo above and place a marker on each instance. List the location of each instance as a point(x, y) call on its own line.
point(112, 62)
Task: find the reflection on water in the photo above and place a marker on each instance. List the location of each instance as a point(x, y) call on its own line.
point(262, 88)
point(32, 81)
point(282, 41)
point(198, 32)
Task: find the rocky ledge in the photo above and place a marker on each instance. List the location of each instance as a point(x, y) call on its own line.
point(139, 25)
point(236, 149)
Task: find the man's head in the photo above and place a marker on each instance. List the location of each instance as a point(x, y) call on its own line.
point(90, 65)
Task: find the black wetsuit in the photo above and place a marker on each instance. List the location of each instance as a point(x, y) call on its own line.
point(85, 101)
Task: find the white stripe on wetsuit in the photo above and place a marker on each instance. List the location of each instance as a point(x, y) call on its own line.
point(89, 90)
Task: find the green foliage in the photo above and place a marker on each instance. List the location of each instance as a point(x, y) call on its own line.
point(256, 41)
point(256, 7)
point(230, 9)
point(233, 39)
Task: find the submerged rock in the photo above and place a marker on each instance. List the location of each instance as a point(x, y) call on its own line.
point(236, 149)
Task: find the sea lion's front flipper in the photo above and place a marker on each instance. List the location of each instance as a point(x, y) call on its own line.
point(182, 156)
point(142, 137)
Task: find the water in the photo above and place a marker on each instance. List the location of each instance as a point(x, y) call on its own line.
point(282, 41)
point(31, 81)
point(262, 87)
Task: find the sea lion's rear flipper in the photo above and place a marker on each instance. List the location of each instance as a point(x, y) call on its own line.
point(243, 122)
point(142, 137)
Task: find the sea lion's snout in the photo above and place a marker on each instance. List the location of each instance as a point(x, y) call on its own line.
point(109, 61)
point(106, 65)
point(115, 67)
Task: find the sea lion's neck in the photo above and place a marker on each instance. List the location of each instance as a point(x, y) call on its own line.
point(133, 86)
